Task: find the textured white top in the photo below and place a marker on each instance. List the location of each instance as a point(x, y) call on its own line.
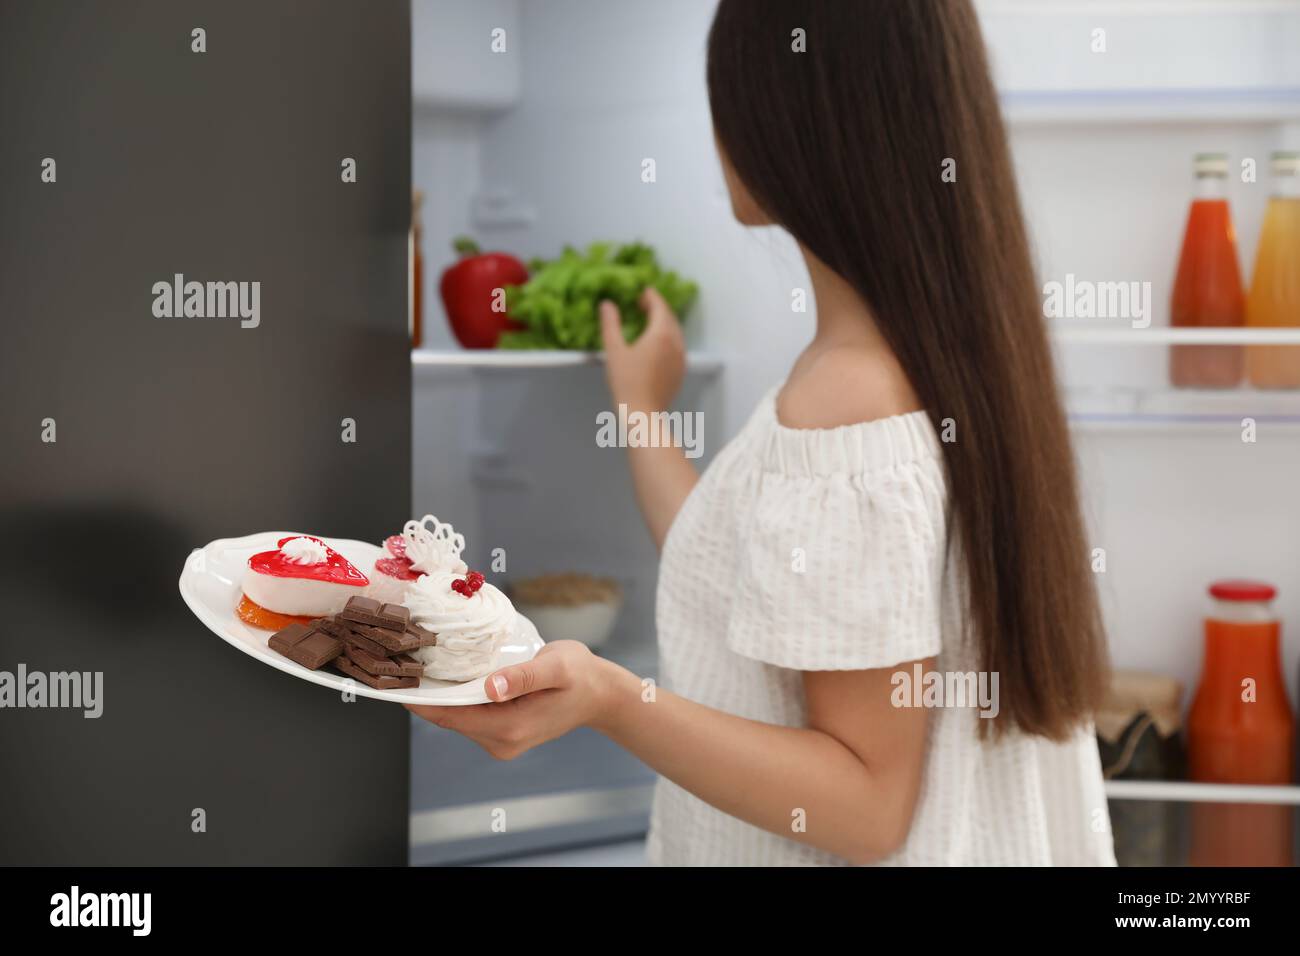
point(737, 623)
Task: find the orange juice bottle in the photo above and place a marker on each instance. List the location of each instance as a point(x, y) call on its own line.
point(1274, 300)
point(1207, 289)
point(1240, 730)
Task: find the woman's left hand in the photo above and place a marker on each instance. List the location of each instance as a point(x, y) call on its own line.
point(563, 687)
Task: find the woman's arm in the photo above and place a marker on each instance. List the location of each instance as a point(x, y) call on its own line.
point(850, 779)
point(847, 783)
point(645, 377)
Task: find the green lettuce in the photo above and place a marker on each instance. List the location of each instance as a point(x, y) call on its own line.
point(559, 304)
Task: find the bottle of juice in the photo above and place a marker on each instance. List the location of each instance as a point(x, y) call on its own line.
point(415, 265)
point(1240, 730)
point(1274, 300)
point(1207, 290)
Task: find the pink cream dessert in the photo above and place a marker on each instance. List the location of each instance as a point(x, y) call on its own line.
point(392, 575)
point(426, 546)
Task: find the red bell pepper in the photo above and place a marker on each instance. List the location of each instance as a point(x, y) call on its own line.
point(473, 294)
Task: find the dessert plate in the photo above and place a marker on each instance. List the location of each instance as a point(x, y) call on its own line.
point(210, 586)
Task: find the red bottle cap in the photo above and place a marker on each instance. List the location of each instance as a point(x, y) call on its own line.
point(1243, 591)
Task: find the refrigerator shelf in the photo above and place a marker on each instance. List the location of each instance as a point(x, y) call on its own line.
point(1122, 334)
point(1097, 334)
point(1184, 791)
point(701, 362)
point(1132, 408)
point(1067, 107)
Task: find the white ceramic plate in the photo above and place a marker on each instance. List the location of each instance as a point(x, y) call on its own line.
point(210, 586)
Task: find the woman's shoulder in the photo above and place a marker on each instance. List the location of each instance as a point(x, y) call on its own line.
point(844, 386)
point(845, 414)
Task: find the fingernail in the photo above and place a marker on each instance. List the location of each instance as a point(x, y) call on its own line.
point(500, 685)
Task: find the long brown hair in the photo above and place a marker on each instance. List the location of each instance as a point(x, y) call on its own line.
point(845, 146)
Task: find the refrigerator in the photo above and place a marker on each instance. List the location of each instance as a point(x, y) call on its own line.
point(531, 124)
point(144, 143)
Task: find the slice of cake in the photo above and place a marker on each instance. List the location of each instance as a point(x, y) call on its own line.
point(301, 580)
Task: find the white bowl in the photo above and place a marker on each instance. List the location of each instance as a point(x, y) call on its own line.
point(592, 623)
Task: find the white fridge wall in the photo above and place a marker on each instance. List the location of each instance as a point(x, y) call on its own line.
point(1041, 45)
point(604, 85)
point(445, 167)
point(454, 65)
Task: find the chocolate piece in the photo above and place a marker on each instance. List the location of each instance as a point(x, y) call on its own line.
point(425, 636)
point(366, 610)
point(395, 642)
point(403, 665)
point(380, 666)
point(306, 645)
point(333, 627)
point(287, 637)
point(396, 616)
point(352, 639)
point(350, 632)
point(408, 666)
point(364, 605)
point(379, 682)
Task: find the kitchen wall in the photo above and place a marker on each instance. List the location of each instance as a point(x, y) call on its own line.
point(1103, 145)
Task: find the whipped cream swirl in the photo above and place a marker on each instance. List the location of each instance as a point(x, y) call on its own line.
point(433, 549)
point(470, 629)
point(304, 550)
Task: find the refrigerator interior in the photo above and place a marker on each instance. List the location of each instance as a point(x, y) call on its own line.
point(542, 146)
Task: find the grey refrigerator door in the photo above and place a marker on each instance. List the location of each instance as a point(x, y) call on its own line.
point(142, 142)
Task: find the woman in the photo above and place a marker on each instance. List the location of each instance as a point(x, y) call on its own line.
point(904, 505)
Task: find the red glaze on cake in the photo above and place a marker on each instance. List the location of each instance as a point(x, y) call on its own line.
point(391, 577)
point(335, 568)
point(306, 579)
point(399, 568)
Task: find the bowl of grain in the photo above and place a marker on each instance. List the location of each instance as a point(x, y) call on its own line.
point(570, 606)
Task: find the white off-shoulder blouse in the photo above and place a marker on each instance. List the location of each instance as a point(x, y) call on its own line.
point(803, 550)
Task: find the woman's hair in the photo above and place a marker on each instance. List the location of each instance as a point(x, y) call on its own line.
point(845, 145)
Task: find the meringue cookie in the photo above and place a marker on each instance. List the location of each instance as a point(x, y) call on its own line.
point(470, 629)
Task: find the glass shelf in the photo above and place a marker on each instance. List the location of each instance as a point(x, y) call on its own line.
point(1094, 334)
point(1184, 791)
point(1068, 107)
point(700, 362)
point(1159, 408)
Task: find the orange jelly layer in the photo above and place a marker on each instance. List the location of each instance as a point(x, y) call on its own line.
point(258, 616)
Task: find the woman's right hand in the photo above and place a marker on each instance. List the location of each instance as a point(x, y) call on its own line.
point(644, 375)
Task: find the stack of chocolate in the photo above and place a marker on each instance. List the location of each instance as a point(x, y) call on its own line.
point(367, 640)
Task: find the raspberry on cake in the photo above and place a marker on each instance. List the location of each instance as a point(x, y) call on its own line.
point(472, 619)
point(301, 580)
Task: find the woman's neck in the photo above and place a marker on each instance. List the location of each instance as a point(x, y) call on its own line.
point(848, 373)
point(842, 317)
